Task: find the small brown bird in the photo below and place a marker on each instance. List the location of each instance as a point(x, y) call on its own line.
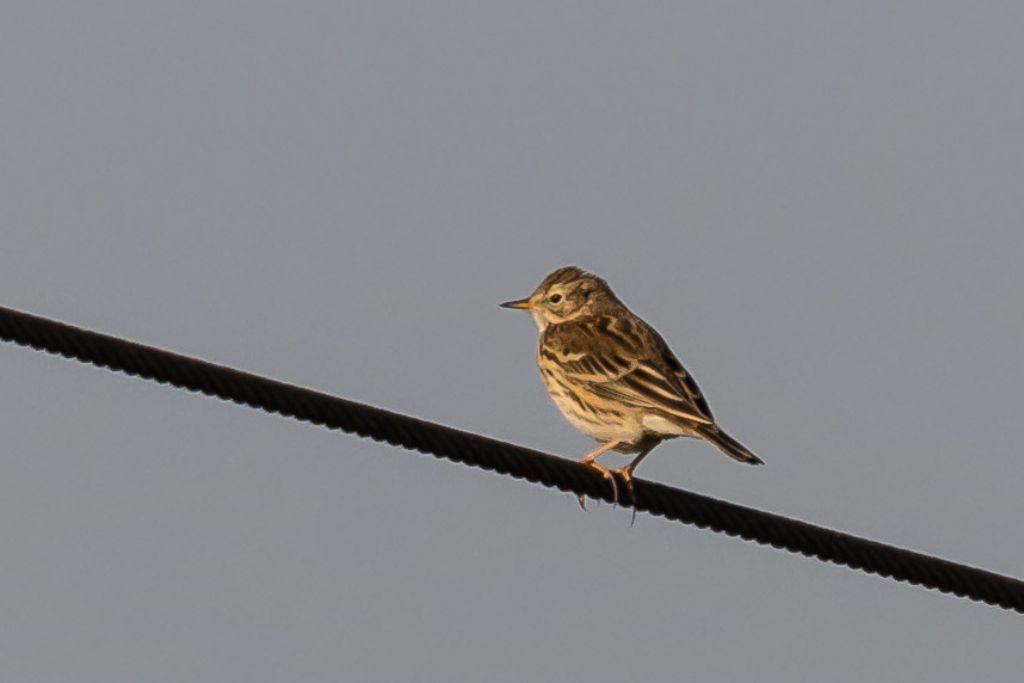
point(613, 376)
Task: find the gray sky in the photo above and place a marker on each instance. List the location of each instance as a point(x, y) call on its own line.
point(818, 204)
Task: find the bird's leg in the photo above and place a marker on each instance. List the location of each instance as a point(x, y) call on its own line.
point(627, 472)
point(590, 460)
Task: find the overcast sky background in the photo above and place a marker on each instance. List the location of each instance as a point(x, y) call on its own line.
point(818, 204)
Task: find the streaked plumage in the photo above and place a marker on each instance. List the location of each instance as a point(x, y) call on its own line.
point(612, 375)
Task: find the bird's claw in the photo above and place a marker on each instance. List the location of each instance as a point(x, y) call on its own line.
point(627, 476)
point(611, 480)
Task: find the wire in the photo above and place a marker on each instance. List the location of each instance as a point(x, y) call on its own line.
point(522, 463)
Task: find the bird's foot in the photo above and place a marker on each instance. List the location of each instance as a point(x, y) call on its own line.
point(607, 475)
point(627, 476)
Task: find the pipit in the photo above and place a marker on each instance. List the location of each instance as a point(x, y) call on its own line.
point(613, 376)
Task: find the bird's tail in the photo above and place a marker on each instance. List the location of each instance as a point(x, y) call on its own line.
point(728, 445)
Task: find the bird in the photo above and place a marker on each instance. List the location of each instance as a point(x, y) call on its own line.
point(613, 376)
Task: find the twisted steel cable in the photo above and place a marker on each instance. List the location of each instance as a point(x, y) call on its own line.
point(522, 463)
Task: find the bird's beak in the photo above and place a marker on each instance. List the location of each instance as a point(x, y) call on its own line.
point(523, 304)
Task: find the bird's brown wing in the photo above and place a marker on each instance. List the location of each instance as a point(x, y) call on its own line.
point(623, 359)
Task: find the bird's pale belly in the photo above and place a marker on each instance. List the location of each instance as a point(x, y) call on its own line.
point(595, 416)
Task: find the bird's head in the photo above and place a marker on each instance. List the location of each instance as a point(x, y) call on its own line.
point(566, 294)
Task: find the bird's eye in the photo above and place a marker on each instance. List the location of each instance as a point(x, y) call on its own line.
point(555, 298)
